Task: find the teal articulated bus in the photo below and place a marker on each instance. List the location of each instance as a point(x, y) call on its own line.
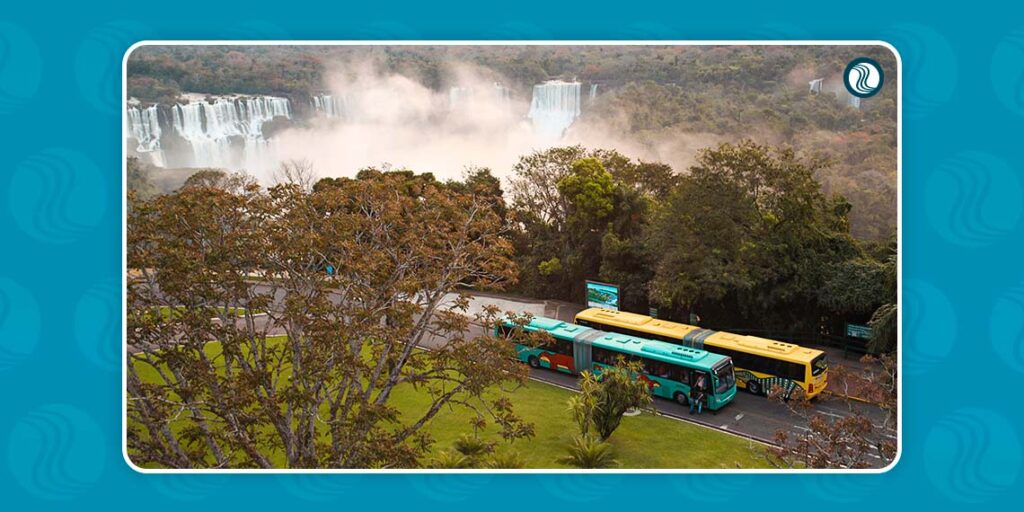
point(669, 370)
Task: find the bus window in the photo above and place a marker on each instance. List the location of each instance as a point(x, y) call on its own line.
point(819, 365)
point(746, 361)
point(603, 356)
point(725, 376)
point(656, 368)
point(791, 371)
point(563, 347)
point(679, 374)
point(650, 366)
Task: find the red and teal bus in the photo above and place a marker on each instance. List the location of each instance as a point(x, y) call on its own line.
point(669, 370)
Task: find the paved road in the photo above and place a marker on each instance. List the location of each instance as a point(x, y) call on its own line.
point(747, 415)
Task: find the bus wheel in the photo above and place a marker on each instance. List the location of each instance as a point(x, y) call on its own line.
point(681, 398)
point(754, 387)
point(534, 362)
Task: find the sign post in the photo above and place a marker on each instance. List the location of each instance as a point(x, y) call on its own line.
point(858, 331)
point(602, 295)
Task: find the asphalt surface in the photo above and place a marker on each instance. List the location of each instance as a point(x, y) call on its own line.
point(749, 416)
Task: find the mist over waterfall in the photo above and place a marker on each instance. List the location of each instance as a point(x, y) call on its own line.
point(555, 106)
point(461, 96)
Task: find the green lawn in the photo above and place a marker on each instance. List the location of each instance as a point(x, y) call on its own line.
point(645, 441)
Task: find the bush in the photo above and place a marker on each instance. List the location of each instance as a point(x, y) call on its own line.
point(589, 452)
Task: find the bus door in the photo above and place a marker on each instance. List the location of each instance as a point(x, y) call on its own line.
point(700, 383)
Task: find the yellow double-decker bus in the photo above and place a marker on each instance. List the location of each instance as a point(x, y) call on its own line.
point(761, 364)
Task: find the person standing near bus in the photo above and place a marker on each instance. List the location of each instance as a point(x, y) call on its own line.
point(697, 394)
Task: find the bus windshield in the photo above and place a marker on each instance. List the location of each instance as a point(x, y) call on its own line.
point(725, 376)
point(819, 365)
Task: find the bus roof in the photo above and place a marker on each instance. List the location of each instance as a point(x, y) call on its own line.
point(675, 330)
point(632, 345)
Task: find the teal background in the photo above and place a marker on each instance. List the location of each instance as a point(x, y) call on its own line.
point(60, 261)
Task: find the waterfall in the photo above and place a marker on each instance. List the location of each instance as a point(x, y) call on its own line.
point(815, 85)
point(459, 96)
point(593, 92)
point(329, 106)
point(211, 128)
point(144, 127)
point(555, 106)
point(836, 88)
point(502, 93)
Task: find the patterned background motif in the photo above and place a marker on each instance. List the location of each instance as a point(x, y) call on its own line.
point(20, 67)
point(60, 86)
point(98, 63)
point(828, 488)
point(19, 323)
point(1006, 328)
point(1008, 71)
point(711, 489)
point(187, 488)
point(97, 320)
point(933, 66)
point(57, 195)
point(974, 199)
point(56, 452)
point(321, 488)
point(929, 326)
point(972, 455)
point(451, 488)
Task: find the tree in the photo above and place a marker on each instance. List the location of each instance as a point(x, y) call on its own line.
point(749, 226)
point(884, 328)
point(310, 384)
point(534, 188)
point(590, 194)
point(602, 401)
point(851, 441)
point(566, 203)
point(235, 182)
point(626, 255)
point(138, 179)
point(481, 182)
point(297, 172)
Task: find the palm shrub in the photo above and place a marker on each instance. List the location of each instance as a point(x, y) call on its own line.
point(450, 460)
point(504, 460)
point(602, 401)
point(472, 446)
point(589, 452)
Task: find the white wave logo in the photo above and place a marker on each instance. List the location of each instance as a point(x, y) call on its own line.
point(864, 78)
